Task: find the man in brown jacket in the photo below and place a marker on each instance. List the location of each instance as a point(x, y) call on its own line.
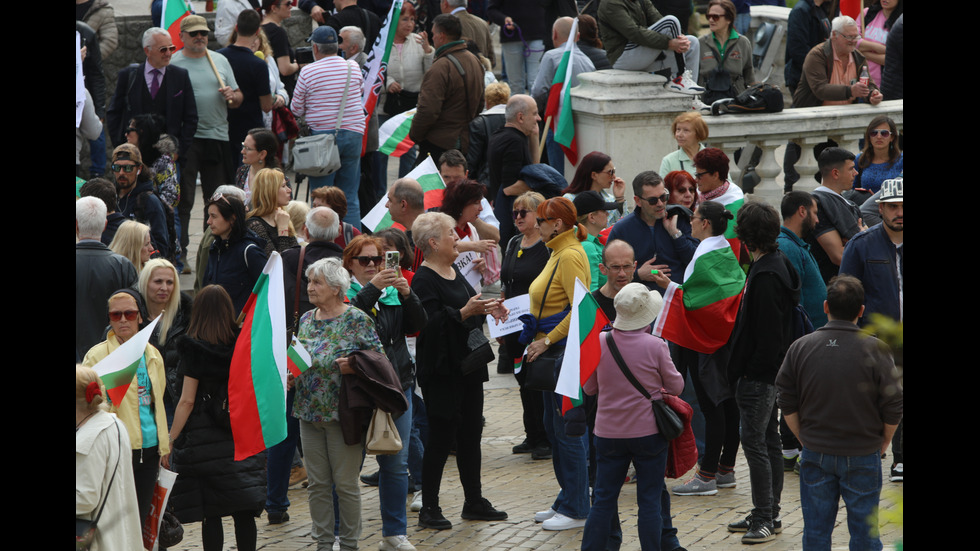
point(832, 70)
point(451, 94)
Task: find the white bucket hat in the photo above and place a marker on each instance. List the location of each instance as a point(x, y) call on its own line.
point(636, 307)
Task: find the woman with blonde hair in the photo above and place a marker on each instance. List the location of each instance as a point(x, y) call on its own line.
point(689, 129)
point(104, 488)
point(160, 286)
point(268, 219)
point(132, 241)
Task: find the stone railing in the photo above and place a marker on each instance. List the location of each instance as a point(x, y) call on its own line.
point(628, 116)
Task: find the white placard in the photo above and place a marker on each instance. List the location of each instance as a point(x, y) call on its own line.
point(518, 306)
point(466, 262)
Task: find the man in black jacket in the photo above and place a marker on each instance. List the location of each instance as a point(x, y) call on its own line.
point(763, 333)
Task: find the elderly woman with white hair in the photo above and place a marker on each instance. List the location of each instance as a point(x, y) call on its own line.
point(625, 428)
point(330, 332)
point(454, 398)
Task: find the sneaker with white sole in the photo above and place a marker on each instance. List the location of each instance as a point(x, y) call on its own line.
point(396, 543)
point(759, 532)
point(700, 106)
point(696, 487)
point(684, 84)
point(561, 522)
point(898, 473)
point(416, 502)
point(542, 516)
point(746, 523)
point(726, 480)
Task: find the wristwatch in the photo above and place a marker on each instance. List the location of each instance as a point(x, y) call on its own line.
point(547, 341)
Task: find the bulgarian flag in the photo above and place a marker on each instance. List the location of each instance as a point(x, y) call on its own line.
point(428, 177)
point(559, 108)
point(393, 134)
point(733, 199)
point(376, 65)
point(171, 14)
point(257, 381)
point(118, 369)
point(298, 359)
point(582, 350)
point(700, 314)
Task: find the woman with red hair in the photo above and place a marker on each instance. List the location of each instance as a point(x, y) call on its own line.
point(551, 296)
point(683, 189)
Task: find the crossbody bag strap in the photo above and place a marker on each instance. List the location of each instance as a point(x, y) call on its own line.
point(550, 279)
point(611, 343)
point(299, 283)
point(343, 99)
point(108, 489)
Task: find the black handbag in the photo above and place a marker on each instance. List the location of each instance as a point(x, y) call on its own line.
point(171, 531)
point(480, 353)
point(669, 424)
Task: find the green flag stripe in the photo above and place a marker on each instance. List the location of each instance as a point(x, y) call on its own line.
point(269, 396)
point(716, 276)
point(122, 377)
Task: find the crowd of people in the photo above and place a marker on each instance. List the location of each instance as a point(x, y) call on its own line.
point(711, 296)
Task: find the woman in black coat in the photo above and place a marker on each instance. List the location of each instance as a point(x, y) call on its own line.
point(211, 484)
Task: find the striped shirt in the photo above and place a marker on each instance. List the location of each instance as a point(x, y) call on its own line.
point(319, 90)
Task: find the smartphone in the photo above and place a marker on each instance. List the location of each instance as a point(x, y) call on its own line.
point(392, 260)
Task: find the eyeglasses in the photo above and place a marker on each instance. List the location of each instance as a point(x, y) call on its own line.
point(116, 167)
point(130, 315)
point(698, 175)
point(851, 38)
point(365, 260)
point(247, 148)
point(655, 200)
point(624, 268)
point(882, 133)
point(131, 129)
point(714, 16)
point(171, 48)
point(520, 213)
point(196, 34)
point(683, 190)
point(543, 220)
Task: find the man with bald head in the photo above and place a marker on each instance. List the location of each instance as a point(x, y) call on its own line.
point(406, 201)
point(512, 148)
point(546, 75)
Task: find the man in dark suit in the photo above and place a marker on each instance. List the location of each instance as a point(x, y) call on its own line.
point(154, 86)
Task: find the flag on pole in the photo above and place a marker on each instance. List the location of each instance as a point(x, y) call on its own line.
point(560, 100)
point(172, 12)
point(582, 348)
point(700, 314)
point(118, 369)
point(298, 359)
point(376, 65)
point(733, 199)
point(257, 381)
point(393, 134)
point(428, 177)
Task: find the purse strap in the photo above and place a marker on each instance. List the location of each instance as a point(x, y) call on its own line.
point(299, 283)
point(108, 489)
point(611, 343)
point(343, 99)
point(550, 279)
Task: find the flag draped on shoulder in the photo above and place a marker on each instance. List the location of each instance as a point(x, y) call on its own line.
point(376, 66)
point(582, 348)
point(560, 100)
point(732, 199)
point(433, 187)
point(393, 134)
point(700, 313)
point(172, 12)
point(257, 381)
point(118, 369)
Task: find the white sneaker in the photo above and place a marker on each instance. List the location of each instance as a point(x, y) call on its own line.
point(416, 502)
point(542, 516)
point(685, 84)
point(336, 545)
point(396, 543)
point(700, 106)
point(561, 522)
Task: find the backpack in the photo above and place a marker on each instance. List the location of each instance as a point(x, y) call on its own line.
point(759, 98)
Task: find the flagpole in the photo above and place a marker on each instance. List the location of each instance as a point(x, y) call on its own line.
point(547, 123)
point(221, 81)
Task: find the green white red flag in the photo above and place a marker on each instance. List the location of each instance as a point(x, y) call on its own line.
point(257, 381)
point(393, 134)
point(433, 187)
point(733, 199)
point(376, 65)
point(172, 11)
point(582, 348)
point(118, 369)
point(560, 100)
point(298, 360)
point(700, 313)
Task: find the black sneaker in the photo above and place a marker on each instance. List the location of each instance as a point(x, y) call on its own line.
point(898, 473)
point(744, 524)
point(371, 479)
point(523, 447)
point(481, 510)
point(431, 517)
point(540, 452)
point(759, 532)
point(278, 518)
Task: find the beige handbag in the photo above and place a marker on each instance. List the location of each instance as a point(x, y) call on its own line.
point(382, 435)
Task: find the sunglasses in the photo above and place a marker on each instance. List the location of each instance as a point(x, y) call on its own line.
point(219, 197)
point(543, 220)
point(882, 133)
point(683, 190)
point(364, 261)
point(130, 315)
point(520, 213)
point(714, 16)
point(698, 175)
point(196, 34)
point(655, 200)
point(123, 168)
point(171, 48)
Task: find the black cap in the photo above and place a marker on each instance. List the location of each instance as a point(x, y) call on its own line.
point(591, 201)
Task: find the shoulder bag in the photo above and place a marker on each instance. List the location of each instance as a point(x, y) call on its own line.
point(317, 155)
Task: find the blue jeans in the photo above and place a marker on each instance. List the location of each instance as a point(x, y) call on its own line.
point(569, 455)
point(824, 479)
point(393, 480)
point(97, 154)
point(348, 178)
point(613, 455)
point(761, 446)
point(556, 157)
point(420, 435)
point(281, 462)
point(521, 69)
